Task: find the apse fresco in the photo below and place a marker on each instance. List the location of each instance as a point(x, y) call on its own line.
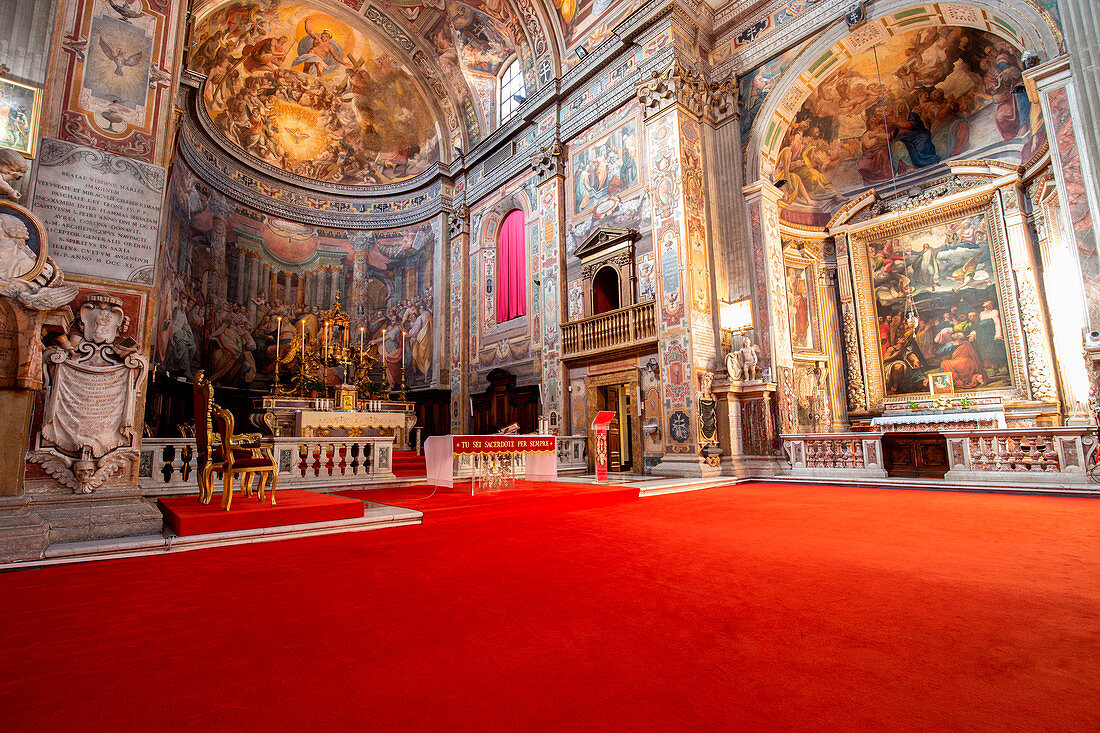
point(937, 308)
point(944, 93)
point(268, 259)
point(309, 94)
point(756, 86)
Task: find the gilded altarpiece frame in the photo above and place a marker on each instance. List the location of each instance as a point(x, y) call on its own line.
point(810, 335)
point(869, 241)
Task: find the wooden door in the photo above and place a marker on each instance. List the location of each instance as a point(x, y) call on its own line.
point(614, 448)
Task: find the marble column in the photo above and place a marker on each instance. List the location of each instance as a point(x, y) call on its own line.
point(849, 328)
point(547, 304)
point(833, 342)
point(253, 275)
point(685, 321)
point(459, 232)
point(242, 277)
point(334, 284)
point(1033, 315)
point(361, 242)
point(220, 209)
point(267, 280)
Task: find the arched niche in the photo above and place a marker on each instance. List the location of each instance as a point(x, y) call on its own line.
point(607, 256)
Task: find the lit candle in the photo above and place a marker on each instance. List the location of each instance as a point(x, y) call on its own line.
point(362, 330)
point(278, 334)
point(402, 348)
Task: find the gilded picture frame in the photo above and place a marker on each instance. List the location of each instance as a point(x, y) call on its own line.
point(981, 282)
point(20, 108)
point(36, 241)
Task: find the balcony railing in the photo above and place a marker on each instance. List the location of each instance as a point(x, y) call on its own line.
point(624, 328)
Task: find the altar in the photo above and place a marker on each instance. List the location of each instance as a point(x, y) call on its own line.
point(315, 417)
point(490, 461)
point(321, 423)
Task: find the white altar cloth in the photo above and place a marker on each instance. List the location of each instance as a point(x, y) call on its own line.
point(975, 417)
point(444, 463)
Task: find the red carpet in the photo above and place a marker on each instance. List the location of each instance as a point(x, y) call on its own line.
point(762, 607)
point(405, 463)
point(442, 503)
point(186, 516)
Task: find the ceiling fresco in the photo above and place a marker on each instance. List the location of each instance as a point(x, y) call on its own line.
point(473, 39)
point(892, 115)
point(312, 95)
point(589, 22)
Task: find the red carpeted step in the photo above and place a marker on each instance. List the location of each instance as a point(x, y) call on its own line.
point(407, 463)
point(441, 503)
point(186, 516)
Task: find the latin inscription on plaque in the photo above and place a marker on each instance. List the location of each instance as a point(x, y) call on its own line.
point(102, 211)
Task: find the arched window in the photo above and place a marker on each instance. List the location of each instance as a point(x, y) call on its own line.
point(512, 90)
point(511, 268)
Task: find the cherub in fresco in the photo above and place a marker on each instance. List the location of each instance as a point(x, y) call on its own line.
point(318, 53)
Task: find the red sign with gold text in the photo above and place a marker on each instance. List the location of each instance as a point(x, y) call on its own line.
point(504, 444)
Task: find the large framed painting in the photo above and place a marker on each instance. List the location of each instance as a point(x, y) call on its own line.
point(802, 305)
point(19, 107)
point(936, 298)
point(605, 171)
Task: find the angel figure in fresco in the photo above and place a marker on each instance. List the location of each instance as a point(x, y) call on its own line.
point(119, 57)
point(318, 53)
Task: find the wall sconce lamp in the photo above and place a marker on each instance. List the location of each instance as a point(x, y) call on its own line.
point(735, 317)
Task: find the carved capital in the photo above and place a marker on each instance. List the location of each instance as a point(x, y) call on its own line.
point(547, 161)
point(458, 221)
point(714, 101)
point(220, 206)
point(361, 240)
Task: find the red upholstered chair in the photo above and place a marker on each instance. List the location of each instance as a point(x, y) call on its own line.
point(220, 451)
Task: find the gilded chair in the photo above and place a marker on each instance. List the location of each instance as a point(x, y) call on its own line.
point(220, 451)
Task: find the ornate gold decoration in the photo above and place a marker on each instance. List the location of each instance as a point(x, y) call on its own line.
point(713, 101)
point(857, 397)
point(1040, 368)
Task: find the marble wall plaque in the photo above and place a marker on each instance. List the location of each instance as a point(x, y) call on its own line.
point(101, 211)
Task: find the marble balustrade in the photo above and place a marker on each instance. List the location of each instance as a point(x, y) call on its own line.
point(1021, 455)
point(168, 465)
point(1038, 455)
point(836, 455)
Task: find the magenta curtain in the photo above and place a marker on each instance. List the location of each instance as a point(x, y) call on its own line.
point(511, 269)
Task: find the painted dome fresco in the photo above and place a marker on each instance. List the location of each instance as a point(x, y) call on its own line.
point(311, 94)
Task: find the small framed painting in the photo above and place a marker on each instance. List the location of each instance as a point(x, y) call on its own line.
point(941, 384)
point(19, 105)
